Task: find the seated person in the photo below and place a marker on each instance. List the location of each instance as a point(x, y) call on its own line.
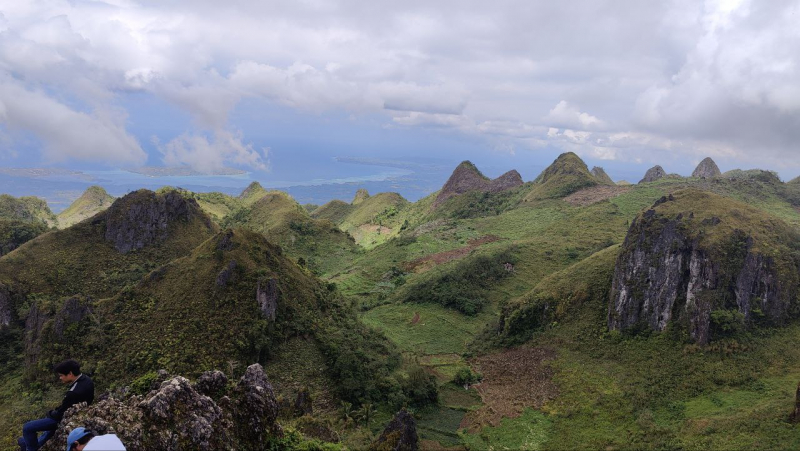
point(80, 390)
point(82, 439)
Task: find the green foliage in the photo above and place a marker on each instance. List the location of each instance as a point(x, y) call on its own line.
point(94, 200)
point(420, 388)
point(466, 377)
point(464, 287)
point(726, 323)
point(28, 209)
point(14, 233)
point(529, 432)
point(141, 385)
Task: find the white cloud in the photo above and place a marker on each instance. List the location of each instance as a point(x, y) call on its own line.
point(206, 155)
point(98, 135)
point(627, 80)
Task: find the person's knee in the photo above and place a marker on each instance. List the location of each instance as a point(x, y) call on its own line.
point(30, 426)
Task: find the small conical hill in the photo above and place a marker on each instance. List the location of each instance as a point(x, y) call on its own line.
point(601, 176)
point(252, 193)
point(466, 177)
point(94, 200)
point(361, 196)
point(653, 174)
point(706, 169)
point(566, 175)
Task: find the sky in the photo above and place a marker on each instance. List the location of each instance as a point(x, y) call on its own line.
point(282, 88)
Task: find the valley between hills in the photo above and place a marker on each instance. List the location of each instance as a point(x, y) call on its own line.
point(566, 312)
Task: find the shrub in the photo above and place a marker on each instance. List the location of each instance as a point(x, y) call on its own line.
point(420, 387)
point(465, 377)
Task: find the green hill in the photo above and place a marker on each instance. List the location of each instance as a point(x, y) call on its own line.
point(567, 174)
point(252, 194)
point(319, 243)
point(27, 208)
point(94, 200)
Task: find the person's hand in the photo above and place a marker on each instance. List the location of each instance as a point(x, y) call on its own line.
point(51, 414)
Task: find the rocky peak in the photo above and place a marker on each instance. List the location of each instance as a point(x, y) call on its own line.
point(653, 174)
point(688, 260)
point(178, 415)
point(566, 175)
point(706, 169)
point(509, 180)
point(601, 176)
point(466, 177)
point(361, 196)
point(143, 217)
point(400, 434)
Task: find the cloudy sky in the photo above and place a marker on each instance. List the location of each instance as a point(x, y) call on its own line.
point(625, 84)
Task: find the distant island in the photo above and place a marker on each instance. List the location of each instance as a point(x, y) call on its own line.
point(182, 171)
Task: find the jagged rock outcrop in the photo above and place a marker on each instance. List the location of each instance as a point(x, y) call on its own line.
point(711, 264)
point(400, 434)
point(361, 196)
point(34, 323)
point(601, 176)
point(178, 416)
point(211, 383)
point(143, 217)
point(6, 307)
point(466, 177)
point(74, 310)
point(303, 404)
point(227, 275)
point(653, 174)
point(706, 169)
point(267, 298)
point(43, 326)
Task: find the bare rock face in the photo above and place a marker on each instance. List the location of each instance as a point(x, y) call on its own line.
point(255, 408)
point(653, 174)
point(227, 275)
point(667, 272)
point(211, 383)
point(706, 169)
point(466, 177)
point(178, 416)
point(143, 217)
point(74, 310)
point(303, 404)
point(34, 323)
point(509, 180)
point(5, 307)
point(400, 434)
point(267, 298)
point(601, 176)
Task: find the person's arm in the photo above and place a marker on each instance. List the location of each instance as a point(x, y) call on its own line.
point(79, 393)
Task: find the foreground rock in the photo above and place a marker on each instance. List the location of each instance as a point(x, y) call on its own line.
point(400, 434)
point(706, 169)
point(178, 416)
point(710, 264)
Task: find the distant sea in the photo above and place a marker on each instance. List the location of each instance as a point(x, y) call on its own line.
point(340, 180)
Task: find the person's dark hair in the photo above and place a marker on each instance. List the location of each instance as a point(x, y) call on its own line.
point(83, 440)
point(69, 366)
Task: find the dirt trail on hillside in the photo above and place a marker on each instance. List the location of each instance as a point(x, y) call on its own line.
point(595, 194)
point(512, 381)
point(429, 261)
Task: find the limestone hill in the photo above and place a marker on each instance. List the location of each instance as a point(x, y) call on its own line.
point(27, 208)
point(466, 178)
point(138, 233)
point(714, 266)
point(706, 169)
point(566, 175)
point(653, 174)
point(94, 200)
point(601, 176)
point(370, 220)
point(252, 193)
point(285, 222)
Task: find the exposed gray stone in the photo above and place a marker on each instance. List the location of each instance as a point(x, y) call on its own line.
point(706, 169)
point(267, 298)
point(400, 434)
point(653, 174)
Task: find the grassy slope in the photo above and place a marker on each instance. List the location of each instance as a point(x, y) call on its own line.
point(567, 174)
point(285, 222)
point(371, 221)
point(94, 200)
